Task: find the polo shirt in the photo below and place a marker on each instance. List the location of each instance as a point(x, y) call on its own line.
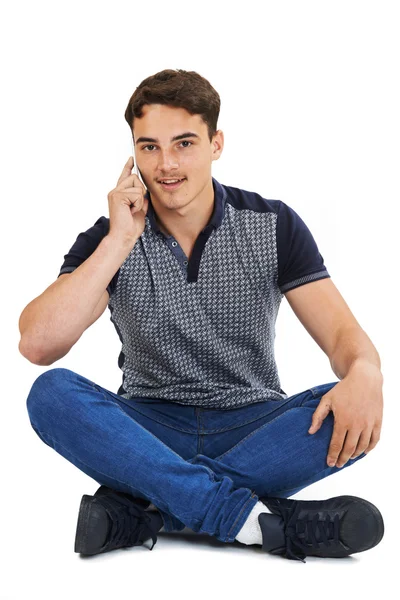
point(201, 332)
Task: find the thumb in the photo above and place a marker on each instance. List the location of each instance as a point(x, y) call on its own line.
point(319, 415)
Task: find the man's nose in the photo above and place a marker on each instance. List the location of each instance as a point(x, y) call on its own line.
point(167, 160)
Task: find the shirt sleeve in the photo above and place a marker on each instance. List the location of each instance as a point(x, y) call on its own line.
point(299, 260)
point(84, 246)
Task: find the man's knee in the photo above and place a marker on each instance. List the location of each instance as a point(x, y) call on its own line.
point(46, 391)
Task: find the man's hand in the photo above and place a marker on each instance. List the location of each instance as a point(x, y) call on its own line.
point(127, 206)
point(357, 405)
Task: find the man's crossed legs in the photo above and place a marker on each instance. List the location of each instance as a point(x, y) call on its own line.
point(205, 469)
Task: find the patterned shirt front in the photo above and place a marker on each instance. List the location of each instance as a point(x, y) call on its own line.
point(201, 332)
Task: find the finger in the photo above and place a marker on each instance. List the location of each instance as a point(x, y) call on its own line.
point(131, 190)
point(131, 181)
point(134, 196)
point(127, 170)
point(336, 445)
point(363, 442)
point(137, 201)
point(349, 447)
point(320, 413)
point(375, 437)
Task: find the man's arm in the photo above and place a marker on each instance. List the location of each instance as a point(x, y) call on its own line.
point(356, 401)
point(54, 321)
point(325, 315)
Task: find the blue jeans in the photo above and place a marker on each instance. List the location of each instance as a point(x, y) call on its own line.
point(203, 468)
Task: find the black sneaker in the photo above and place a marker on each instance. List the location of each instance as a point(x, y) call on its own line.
point(332, 528)
point(111, 519)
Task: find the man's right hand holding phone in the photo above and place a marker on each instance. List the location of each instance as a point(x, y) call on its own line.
point(127, 207)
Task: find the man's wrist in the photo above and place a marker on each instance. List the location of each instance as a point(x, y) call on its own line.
point(120, 242)
point(363, 367)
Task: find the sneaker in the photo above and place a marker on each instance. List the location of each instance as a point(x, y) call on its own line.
point(332, 528)
point(111, 519)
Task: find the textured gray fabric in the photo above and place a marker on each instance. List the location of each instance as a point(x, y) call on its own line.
point(210, 342)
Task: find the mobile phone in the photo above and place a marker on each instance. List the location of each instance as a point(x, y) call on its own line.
point(135, 167)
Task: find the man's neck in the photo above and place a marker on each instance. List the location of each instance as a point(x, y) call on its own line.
point(189, 225)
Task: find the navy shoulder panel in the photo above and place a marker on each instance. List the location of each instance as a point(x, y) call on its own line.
point(244, 199)
point(299, 260)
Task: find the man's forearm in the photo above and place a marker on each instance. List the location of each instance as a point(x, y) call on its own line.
point(54, 321)
point(353, 346)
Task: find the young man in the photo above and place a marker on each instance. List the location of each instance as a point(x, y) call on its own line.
point(200, 433)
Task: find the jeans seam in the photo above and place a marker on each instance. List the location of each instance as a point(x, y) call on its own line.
point(208, 431)
point(253, 495)
point(218, 458)
point(317, 391)
point(200, 439)
point(190, 431)
point(242, 423)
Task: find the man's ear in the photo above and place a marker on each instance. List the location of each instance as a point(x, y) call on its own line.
point(218, 144)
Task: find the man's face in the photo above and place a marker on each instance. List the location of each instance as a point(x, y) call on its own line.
point(159, 156)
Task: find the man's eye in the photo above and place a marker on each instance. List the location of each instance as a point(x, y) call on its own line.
point(153, 146)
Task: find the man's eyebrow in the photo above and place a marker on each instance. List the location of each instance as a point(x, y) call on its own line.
point(173, 139)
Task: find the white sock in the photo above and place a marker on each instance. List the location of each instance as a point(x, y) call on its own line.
point(251, 530)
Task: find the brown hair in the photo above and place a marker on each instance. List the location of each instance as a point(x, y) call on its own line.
point(183, 89)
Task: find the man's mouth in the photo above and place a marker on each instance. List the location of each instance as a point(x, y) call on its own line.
point(171, 184)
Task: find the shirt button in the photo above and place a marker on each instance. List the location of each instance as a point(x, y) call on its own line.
point(185, 262)
point(174, 244)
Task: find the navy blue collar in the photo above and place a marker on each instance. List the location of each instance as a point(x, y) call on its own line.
point(216, 217)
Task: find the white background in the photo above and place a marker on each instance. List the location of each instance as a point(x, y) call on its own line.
point(310, 113)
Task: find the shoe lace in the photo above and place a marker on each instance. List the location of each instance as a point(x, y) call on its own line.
point(301, 533)
point(130, 524)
